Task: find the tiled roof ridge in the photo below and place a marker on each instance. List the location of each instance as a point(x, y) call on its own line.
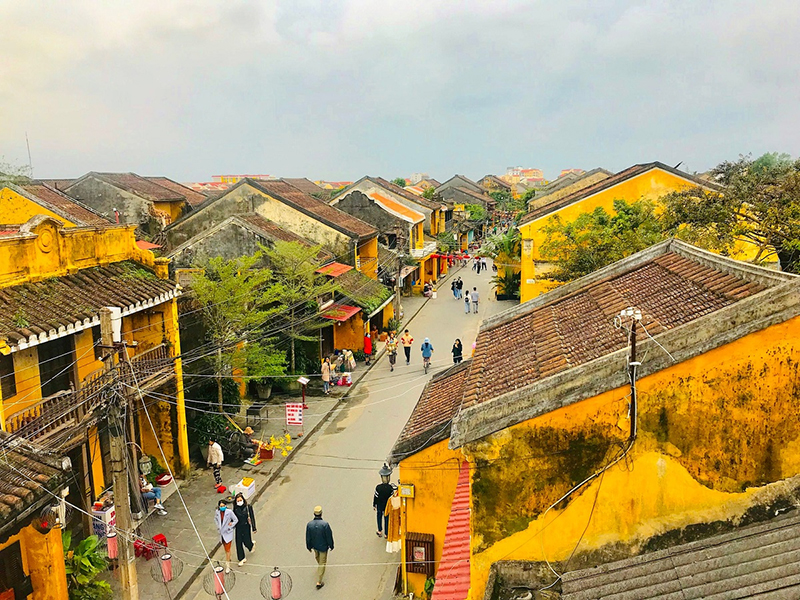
point(268, 188)
point(49, 205)
point(609, 182)
point(747, 271)
point(402, 192)
point(474, 194)
point(112, 178)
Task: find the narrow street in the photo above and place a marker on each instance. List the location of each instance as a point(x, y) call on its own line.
point(337, 468)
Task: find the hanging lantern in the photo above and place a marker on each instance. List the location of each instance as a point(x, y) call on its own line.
point(113, 545)
point(217, 582)
point(276, 585)
point(167, 568)
point(145, 466)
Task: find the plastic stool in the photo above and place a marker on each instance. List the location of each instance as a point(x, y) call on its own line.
point(160, 539)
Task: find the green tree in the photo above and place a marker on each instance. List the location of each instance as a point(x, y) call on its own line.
point(476, 213)
point(236, 298)
point(597, 239)
point(14, 174)
point(429, 193)
point(446, 242)
point(759, 203)
point(300, 287)
point(528, 195)
point(399, 181)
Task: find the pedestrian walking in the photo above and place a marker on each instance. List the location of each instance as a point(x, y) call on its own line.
point(383, 491)
point(466, 302)
point(214, 460)
point(454, 289)
point(405, 341)
point(391, 349)
point(475, 297)
point(326, 375)
point(319, 540)
point(245, 526)
point(483, 263)
point(459, 287)
point(475, 264)
point(226, 524)
point(367, 347)
point(457, 351)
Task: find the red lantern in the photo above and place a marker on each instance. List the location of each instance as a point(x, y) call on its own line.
point(275, 581)
point(219, 580)
point(112, 544)
point(166, 567)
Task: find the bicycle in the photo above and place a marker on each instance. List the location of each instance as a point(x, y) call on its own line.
point(426, 362)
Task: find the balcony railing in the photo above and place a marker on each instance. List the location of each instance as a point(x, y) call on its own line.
point(427, 249)
point(58, 413)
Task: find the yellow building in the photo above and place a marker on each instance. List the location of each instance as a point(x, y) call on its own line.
point(34, 482)
point(645, 181)
point(53, 282)
point(18, 203)
point(348, 238)
point(556, 471)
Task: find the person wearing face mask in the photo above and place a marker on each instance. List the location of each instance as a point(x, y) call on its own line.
point(245, 527)
point(226, 523)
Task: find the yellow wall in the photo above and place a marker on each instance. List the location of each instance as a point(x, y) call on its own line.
point(367, 258)
point(16, 209)
point(650, 185)
point(715, 433)
point(350, 334)
point(434, 473)
point(54, 252)
point(567, 190)
point(96, 462)
point(173, 209)
point(43, 560)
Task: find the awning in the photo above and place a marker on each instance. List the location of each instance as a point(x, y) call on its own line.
point(145, 245)
point(334, 269)
point(340, 313)
point(407, 270)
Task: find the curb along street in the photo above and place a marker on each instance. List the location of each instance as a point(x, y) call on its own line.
point(325, 418)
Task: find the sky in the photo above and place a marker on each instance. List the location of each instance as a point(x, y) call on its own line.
point(339, 89)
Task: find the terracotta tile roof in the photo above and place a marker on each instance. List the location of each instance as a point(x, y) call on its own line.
point(670, 290)
point(429, 204)
point(334, 269)
point(304, 185)
point(757, 561)
point(340, 312)
point(59, 184)
point(496, 180)
point(135, 184)
point(193, 197)
point(338, 219)
point(481, 197)
point(429, 422)
point(69, 208)
point(629, 173)
point(394, 207)
point(53, 307)
point(452, 576)
point(27, 473)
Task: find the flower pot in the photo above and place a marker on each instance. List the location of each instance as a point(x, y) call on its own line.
point(266, 453)
point(264, 390)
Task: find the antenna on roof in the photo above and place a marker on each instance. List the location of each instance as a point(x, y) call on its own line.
point(30, 162)
point(678, 165)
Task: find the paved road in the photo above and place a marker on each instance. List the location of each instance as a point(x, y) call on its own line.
point(337, 469)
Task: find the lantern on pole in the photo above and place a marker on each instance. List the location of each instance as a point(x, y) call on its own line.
point(276, 585)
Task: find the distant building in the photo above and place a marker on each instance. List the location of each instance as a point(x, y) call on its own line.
point(417, 177)
point(237, 178)
point(517, 174)
point(568, 171)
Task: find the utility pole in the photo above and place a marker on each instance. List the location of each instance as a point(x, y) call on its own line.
point(636, 315)
point(119, 471)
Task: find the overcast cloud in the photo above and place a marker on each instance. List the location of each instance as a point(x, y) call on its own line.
point(341, 88)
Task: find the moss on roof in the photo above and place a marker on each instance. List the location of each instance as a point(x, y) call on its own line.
point(363, 291)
